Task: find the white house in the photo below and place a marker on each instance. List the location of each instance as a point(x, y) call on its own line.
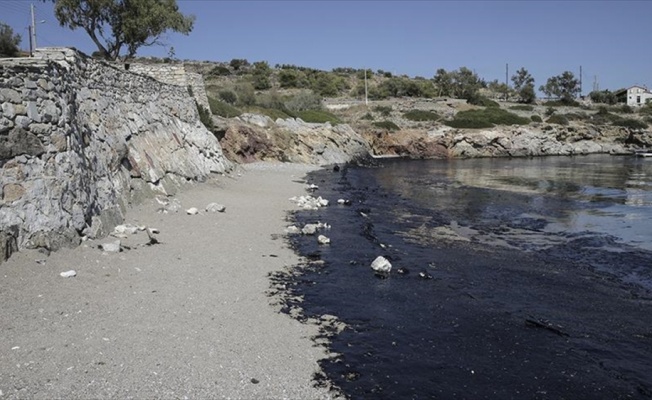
point(634, 96)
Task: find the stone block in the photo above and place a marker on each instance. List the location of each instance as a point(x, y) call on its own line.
point(8, 110)
point(12, 192)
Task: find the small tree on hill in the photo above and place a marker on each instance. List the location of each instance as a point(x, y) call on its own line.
point(524, 86)
point(8, 41)
point(565, 87)
point(117, 25)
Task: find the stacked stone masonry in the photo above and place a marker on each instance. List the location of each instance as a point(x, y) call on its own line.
point(81, 139)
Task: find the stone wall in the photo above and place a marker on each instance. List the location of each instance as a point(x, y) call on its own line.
point(80, 139)
point(173, 74)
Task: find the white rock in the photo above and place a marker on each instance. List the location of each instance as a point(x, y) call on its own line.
point(69, 274)
point(322, 202)
point(292, 230)
point(113, 247)
point(381, 265)
point(321, 239)
point(215, 207)
point(154, 231)
point(126, 228)
point(312, 187)
point(309, 229)
point(192, 211)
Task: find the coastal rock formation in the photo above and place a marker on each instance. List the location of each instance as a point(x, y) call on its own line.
point(252, 137)
point(508, 141)
point(81, 139)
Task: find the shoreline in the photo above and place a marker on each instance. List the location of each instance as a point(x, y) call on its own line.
point(189, 317)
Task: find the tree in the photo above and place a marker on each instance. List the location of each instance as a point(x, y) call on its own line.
point(524, 86)
point(443, 81)
point(8, 41)
point(604, 96)
point(116, 25)
point(565, 87)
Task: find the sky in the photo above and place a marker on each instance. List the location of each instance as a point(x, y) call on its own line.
point(609, 40)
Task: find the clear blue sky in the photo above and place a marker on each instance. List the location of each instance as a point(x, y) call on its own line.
point(611, 40)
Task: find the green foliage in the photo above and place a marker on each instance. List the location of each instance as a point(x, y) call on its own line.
point(304, 100)
point(205, 116)
point(385, 111)
point(462, 83)
point(318, 116)
point(524, 86)
point(368, 116)
point(631, 123)
point(565, 87)
point(536, 118)
point(271, 99)
point(626, 109)
point(386, 125)
point(558, 119)
point(9, 41)
point(222, 109)
point(482, 101)
point(238, 63)
point(421, 115)
point(228, 96)
point(604, 97)
point(114, 25)
point(522, 107)
point(219, 70)
point(273, 113)
point(485, 118)
point(646, 110)
point(246, 94)
point(550, 111)
point(260, 76)
point(289, 78)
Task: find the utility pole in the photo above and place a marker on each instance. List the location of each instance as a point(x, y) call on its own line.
point(31, 45)
point(33, 31)
point(506, 80)
point(366, 93)
point(581, 81)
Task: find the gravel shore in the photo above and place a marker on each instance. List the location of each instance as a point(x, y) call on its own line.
point(186, 318)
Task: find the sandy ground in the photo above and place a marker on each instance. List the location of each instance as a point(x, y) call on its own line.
point(187, 318)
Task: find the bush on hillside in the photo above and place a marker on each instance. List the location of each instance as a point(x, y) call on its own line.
point(631, 123)
point(478, 100)
point(317, 116)
point(386, 125)
point(486, 118)
point(421, 115)
point(536, 118)
point(222, 109)
point(246, 94)
point(304, 100)
point(219, 70)
point(522, 107)
point(558, 119)
point(384, 111)
point(205, 116)
point(228, 96)
point(368, 117)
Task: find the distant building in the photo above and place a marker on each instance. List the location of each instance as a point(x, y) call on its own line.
point(634, 96)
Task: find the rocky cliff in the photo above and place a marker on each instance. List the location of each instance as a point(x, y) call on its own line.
point(508, 141)
point(80, 139)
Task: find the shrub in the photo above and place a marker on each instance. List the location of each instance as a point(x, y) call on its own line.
point(9, 41)
point(536, 118)
point(219, 70)
point(483, 101)
point(246, 94)
point(387, 125)
point(562, 103)
point(421, 115)
point(550, 111)
point(630, 123)
point(625, 109)
point(222, 109)
point(228, 96)
point(485, 118)
point(557, 119)
point(522, 107)
point(304, 100)
point(270, 99)
point(317, 116)
point(237, 63)
point(385, 111)
point(646, 110)
point(368, 116)
point(273, 113)
point(205, 116)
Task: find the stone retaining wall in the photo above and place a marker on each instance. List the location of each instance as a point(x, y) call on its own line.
point(80, 139)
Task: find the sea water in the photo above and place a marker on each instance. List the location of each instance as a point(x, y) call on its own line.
point(527, 278)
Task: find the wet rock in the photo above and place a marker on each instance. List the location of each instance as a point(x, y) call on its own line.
point(292, 230)
point(321, 239)
point(403, 271)
point(381, 265)
point(424, 275)
point(309, 229)
point(344, 202)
